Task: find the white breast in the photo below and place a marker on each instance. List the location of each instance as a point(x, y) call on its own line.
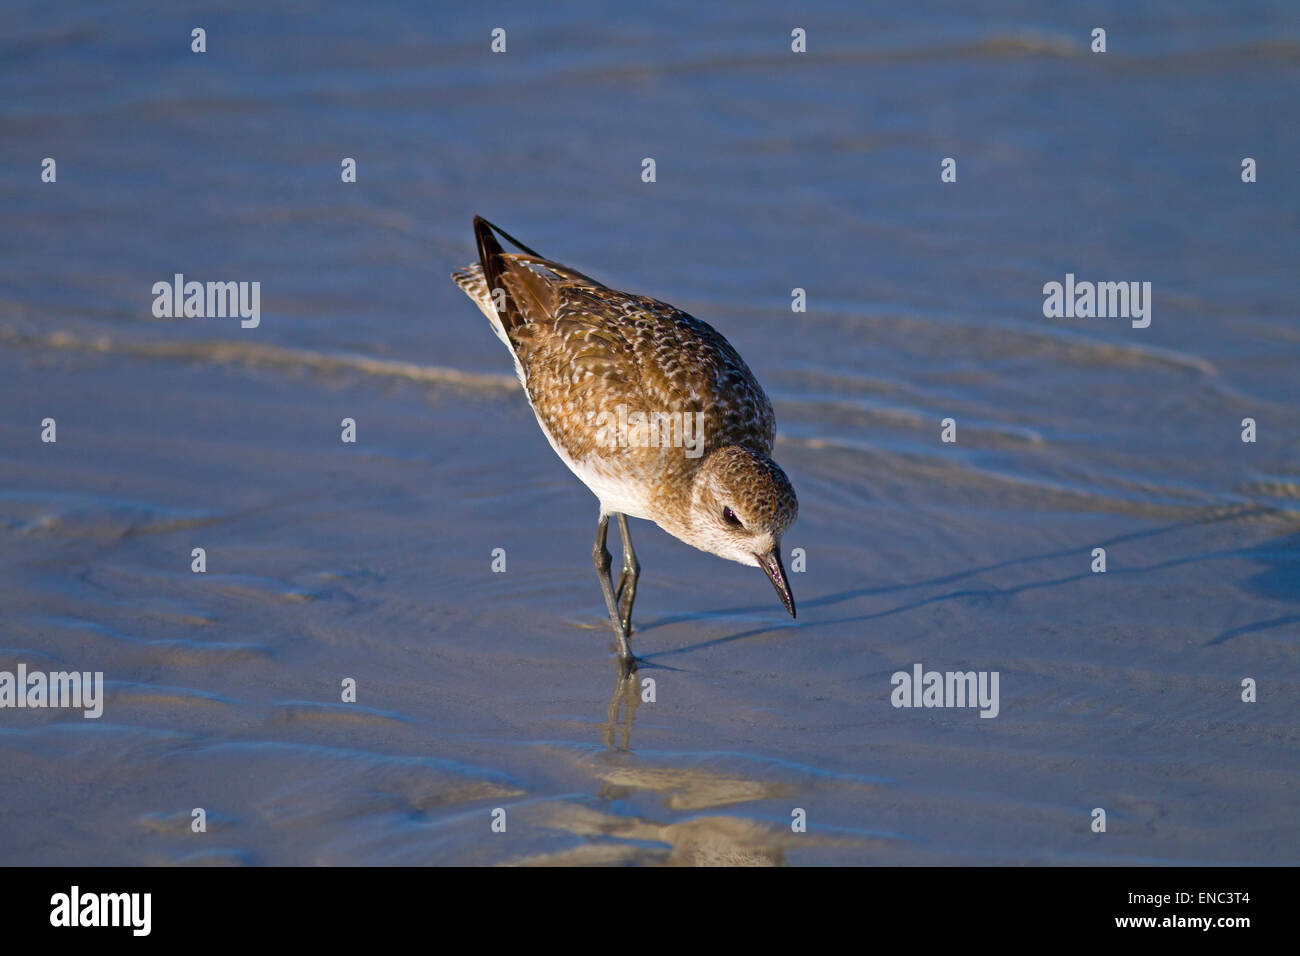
point(617, 494)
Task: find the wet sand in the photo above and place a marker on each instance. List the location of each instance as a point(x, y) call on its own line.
point(478, 690)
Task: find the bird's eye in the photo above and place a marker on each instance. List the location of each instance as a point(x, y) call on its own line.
point(729, 516)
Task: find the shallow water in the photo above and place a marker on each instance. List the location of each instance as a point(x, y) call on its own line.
point(774, 171)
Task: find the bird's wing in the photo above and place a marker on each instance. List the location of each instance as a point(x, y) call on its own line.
point(582, 349)
point(590, 346)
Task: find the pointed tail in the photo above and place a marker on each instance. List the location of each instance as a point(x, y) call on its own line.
point(489, 254)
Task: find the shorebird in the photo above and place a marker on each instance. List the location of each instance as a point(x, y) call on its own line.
point(586, 354)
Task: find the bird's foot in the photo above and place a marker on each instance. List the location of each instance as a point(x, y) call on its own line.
point(627, 666)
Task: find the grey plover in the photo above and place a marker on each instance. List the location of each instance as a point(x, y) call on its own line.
point(586, 354)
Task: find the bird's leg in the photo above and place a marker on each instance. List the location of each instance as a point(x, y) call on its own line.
point(600, 557)
point(625, 593)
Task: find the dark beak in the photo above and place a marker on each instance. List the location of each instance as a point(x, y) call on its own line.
point(772, 567)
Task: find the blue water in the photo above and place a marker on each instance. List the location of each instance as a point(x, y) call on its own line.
point(775, 171)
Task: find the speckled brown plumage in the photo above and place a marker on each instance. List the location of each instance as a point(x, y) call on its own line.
point(582, 350)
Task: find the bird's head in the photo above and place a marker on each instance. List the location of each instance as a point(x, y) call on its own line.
point(741, 505)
